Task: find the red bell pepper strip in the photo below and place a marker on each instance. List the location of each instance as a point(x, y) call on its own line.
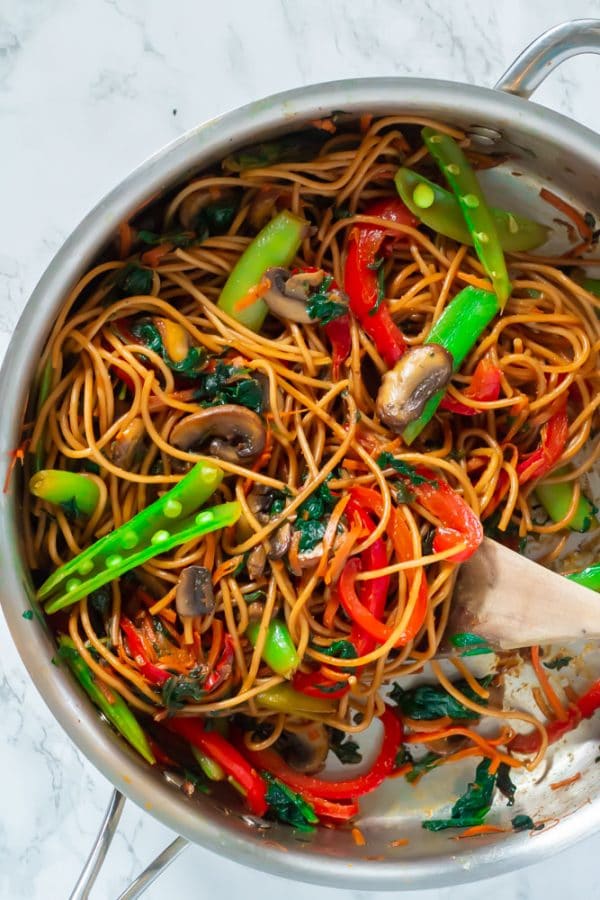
point(338, 333)
point(583, 708)
point(484, 387)
point(360, 278)
point(225, 754)
point(554, 437)
point(459, 522)
point(401, 540)
point(153, 674)
point(373, 594)
point(310, 786)
point(315, 684)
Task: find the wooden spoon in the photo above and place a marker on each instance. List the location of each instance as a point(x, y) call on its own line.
point(514, 602)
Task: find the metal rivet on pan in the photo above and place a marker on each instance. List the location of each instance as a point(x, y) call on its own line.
point(484, 136)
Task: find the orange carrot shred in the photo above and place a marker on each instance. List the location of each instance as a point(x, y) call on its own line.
point(125, 239)
point(324, 125)
point(17, 455)
point(153, 256)
point(557, 785)
point(358, 837)
point(399, 842)
point(365, 122)
point(226, 568)
point(254, 294)
point(476, 830)
point(549, 692)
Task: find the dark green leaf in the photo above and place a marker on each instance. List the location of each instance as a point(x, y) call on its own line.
point(148, 334)
point(470, 644)
point(388, 461)
point(70, 509)
point(28, 614)
point(216, 218)
point(404, 493)
point(196, 781)
point(404, 756)
point(229, 384)
point(287, 806)
point(311, 532)
point(177, 238)
point(377, 266)
point(322, 306)
point(344, 747)
point(427, 701)
point(505, 784)
point(340, 649)
point(179, 689)
point(558, 663)
point(422, 766)
point(472, 808)
point(253, 596)
point(133, 280)
point(90, 466)
point(525, 823)
point(320, 502)
point(341, 212)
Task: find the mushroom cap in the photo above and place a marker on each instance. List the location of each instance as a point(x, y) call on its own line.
point(236, 434)
point(194, 595)
point(305, 748)
point(406, 388)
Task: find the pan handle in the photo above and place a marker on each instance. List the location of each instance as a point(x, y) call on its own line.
point(547, 52)
point(108, 829)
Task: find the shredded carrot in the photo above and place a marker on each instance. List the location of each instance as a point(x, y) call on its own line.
point(254, 294)
point(365, 122)
point(324, 125)
point(210, 548)
point(487, 746)
point(169, 614)
point(340, 557)
point(226, 568)
point(17, 455)
point(476, 830)
point(399, 842)
point(125, 239)
point(153, 256)
point(557, 707)
point(568, 210)
point(359, 838)
point(566, 781)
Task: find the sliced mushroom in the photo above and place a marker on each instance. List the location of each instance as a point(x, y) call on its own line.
point(127, 442)
point(305, 748)
point(280, 542)
point(260, 499)
point(233, 433)
point(288, 293)
point(265, 205)
point(256, 562)
point(416, 377)
point(194, 595)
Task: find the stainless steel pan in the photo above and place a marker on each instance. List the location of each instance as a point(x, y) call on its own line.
point(544, 147)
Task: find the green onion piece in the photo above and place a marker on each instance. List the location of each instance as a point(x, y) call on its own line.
point(212, 769)
point(276, 245)
point(283, 698)
point(455, 167)
point(43, 393)
point(589, 577)
point(279, 651)
point(439, 210)
point(457, 330)
point(76, 493)
point(556, 500)
point(108, 701)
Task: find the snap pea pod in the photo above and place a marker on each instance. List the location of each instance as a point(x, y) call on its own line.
point(279, 651)
point(556, 500)
point(589, 577)
point(284, 698)
point(275, 245)
point(119, 547)
point(77, 494)
point(455, 167)
point(439, 209)
point(115, 709)
point(457, 330)
point(43, 392)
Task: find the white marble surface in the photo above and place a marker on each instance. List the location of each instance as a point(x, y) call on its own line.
point(87, 90)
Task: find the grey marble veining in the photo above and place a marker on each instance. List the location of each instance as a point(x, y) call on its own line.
point(87, 91)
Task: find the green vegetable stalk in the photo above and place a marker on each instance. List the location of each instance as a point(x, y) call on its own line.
point(556, 500)
point(170, 521)
point(283, 698)
point(440, 210)
point(278, 650)
point(115, 709)
point(276, 245)
point(212, 769)
point(457, 330)
point(455, 167)
point(76, 494)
